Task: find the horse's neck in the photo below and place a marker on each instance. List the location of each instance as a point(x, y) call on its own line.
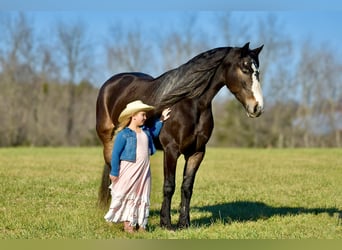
point(214, 87)
point(196, 79)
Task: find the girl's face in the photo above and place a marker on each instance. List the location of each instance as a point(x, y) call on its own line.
point(139, 118)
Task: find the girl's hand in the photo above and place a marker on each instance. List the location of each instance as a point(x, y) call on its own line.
point(113, 178)
point(165, 114)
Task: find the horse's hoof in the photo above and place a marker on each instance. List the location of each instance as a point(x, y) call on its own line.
point(167, 227)
point(183, 225)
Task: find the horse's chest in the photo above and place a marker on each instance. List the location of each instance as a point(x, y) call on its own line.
point(203, 127)
point(189, 129)
point(201, 131)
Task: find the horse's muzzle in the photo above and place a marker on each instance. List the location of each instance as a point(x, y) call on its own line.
point(254, 112)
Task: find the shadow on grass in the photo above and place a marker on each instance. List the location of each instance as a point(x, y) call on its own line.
point(242, 211)
point(252, 211)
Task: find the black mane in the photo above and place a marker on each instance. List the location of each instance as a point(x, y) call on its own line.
point(191, 79)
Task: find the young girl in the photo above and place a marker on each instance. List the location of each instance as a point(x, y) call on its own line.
point(130, 173)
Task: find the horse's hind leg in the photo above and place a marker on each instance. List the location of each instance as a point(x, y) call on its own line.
point(191, 166)
point(105, 134)
point(170, 163)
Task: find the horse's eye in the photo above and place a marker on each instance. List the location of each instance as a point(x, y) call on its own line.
point(245, 67)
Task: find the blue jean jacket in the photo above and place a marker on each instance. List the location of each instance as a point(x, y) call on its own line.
point(125, 145)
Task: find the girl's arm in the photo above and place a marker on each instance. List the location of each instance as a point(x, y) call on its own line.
point(119, 145)
point(158, 124)
point(155, 129)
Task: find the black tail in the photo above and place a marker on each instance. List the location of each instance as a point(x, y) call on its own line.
point(104, 192)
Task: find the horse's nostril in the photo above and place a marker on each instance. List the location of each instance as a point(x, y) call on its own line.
point(256, 109)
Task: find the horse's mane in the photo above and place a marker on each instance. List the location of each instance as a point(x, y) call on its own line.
point(191, 79)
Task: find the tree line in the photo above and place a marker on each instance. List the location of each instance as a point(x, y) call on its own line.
point(49, 80)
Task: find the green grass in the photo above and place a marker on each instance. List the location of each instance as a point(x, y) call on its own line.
point(51, 193)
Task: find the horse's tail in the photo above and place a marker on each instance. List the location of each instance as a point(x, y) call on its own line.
point(104, 192)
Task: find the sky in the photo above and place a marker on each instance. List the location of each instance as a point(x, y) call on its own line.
point(305, 20)
point(170, 5)
point(315, 17)
point(319, 26)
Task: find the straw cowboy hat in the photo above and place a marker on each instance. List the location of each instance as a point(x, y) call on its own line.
point(133, 108)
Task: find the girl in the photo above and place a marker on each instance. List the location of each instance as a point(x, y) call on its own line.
point(130, 174)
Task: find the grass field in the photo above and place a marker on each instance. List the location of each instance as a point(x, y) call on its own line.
point(51, 193)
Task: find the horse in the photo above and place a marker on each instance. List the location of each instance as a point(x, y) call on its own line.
point(188, 90)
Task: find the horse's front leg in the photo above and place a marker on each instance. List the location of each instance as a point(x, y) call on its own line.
point(170, 164)
point(191, 166)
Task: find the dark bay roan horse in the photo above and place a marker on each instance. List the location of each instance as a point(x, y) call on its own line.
point(189, 91)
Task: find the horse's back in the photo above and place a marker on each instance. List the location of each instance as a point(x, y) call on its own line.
point(126, 77)
point(116, 92)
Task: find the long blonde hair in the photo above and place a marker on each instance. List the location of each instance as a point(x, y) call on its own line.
point(123, 124)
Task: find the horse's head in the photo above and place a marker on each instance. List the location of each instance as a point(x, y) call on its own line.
point(242, 78)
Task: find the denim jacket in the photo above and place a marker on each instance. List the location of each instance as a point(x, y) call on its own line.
point(125, 145)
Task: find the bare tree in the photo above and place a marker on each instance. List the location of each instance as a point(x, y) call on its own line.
point(75, 50)
point(17, 47)
point(178, 46)
point(18, 77)
point(277, 80)
point(47, 97)
point(128, 50)
point(75, 53)
point(319, 76)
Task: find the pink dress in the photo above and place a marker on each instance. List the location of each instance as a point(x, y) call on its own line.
point(131, 192)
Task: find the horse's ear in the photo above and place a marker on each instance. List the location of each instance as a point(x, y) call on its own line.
point(245, 50)
point(246, 46)
point(258, 50)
